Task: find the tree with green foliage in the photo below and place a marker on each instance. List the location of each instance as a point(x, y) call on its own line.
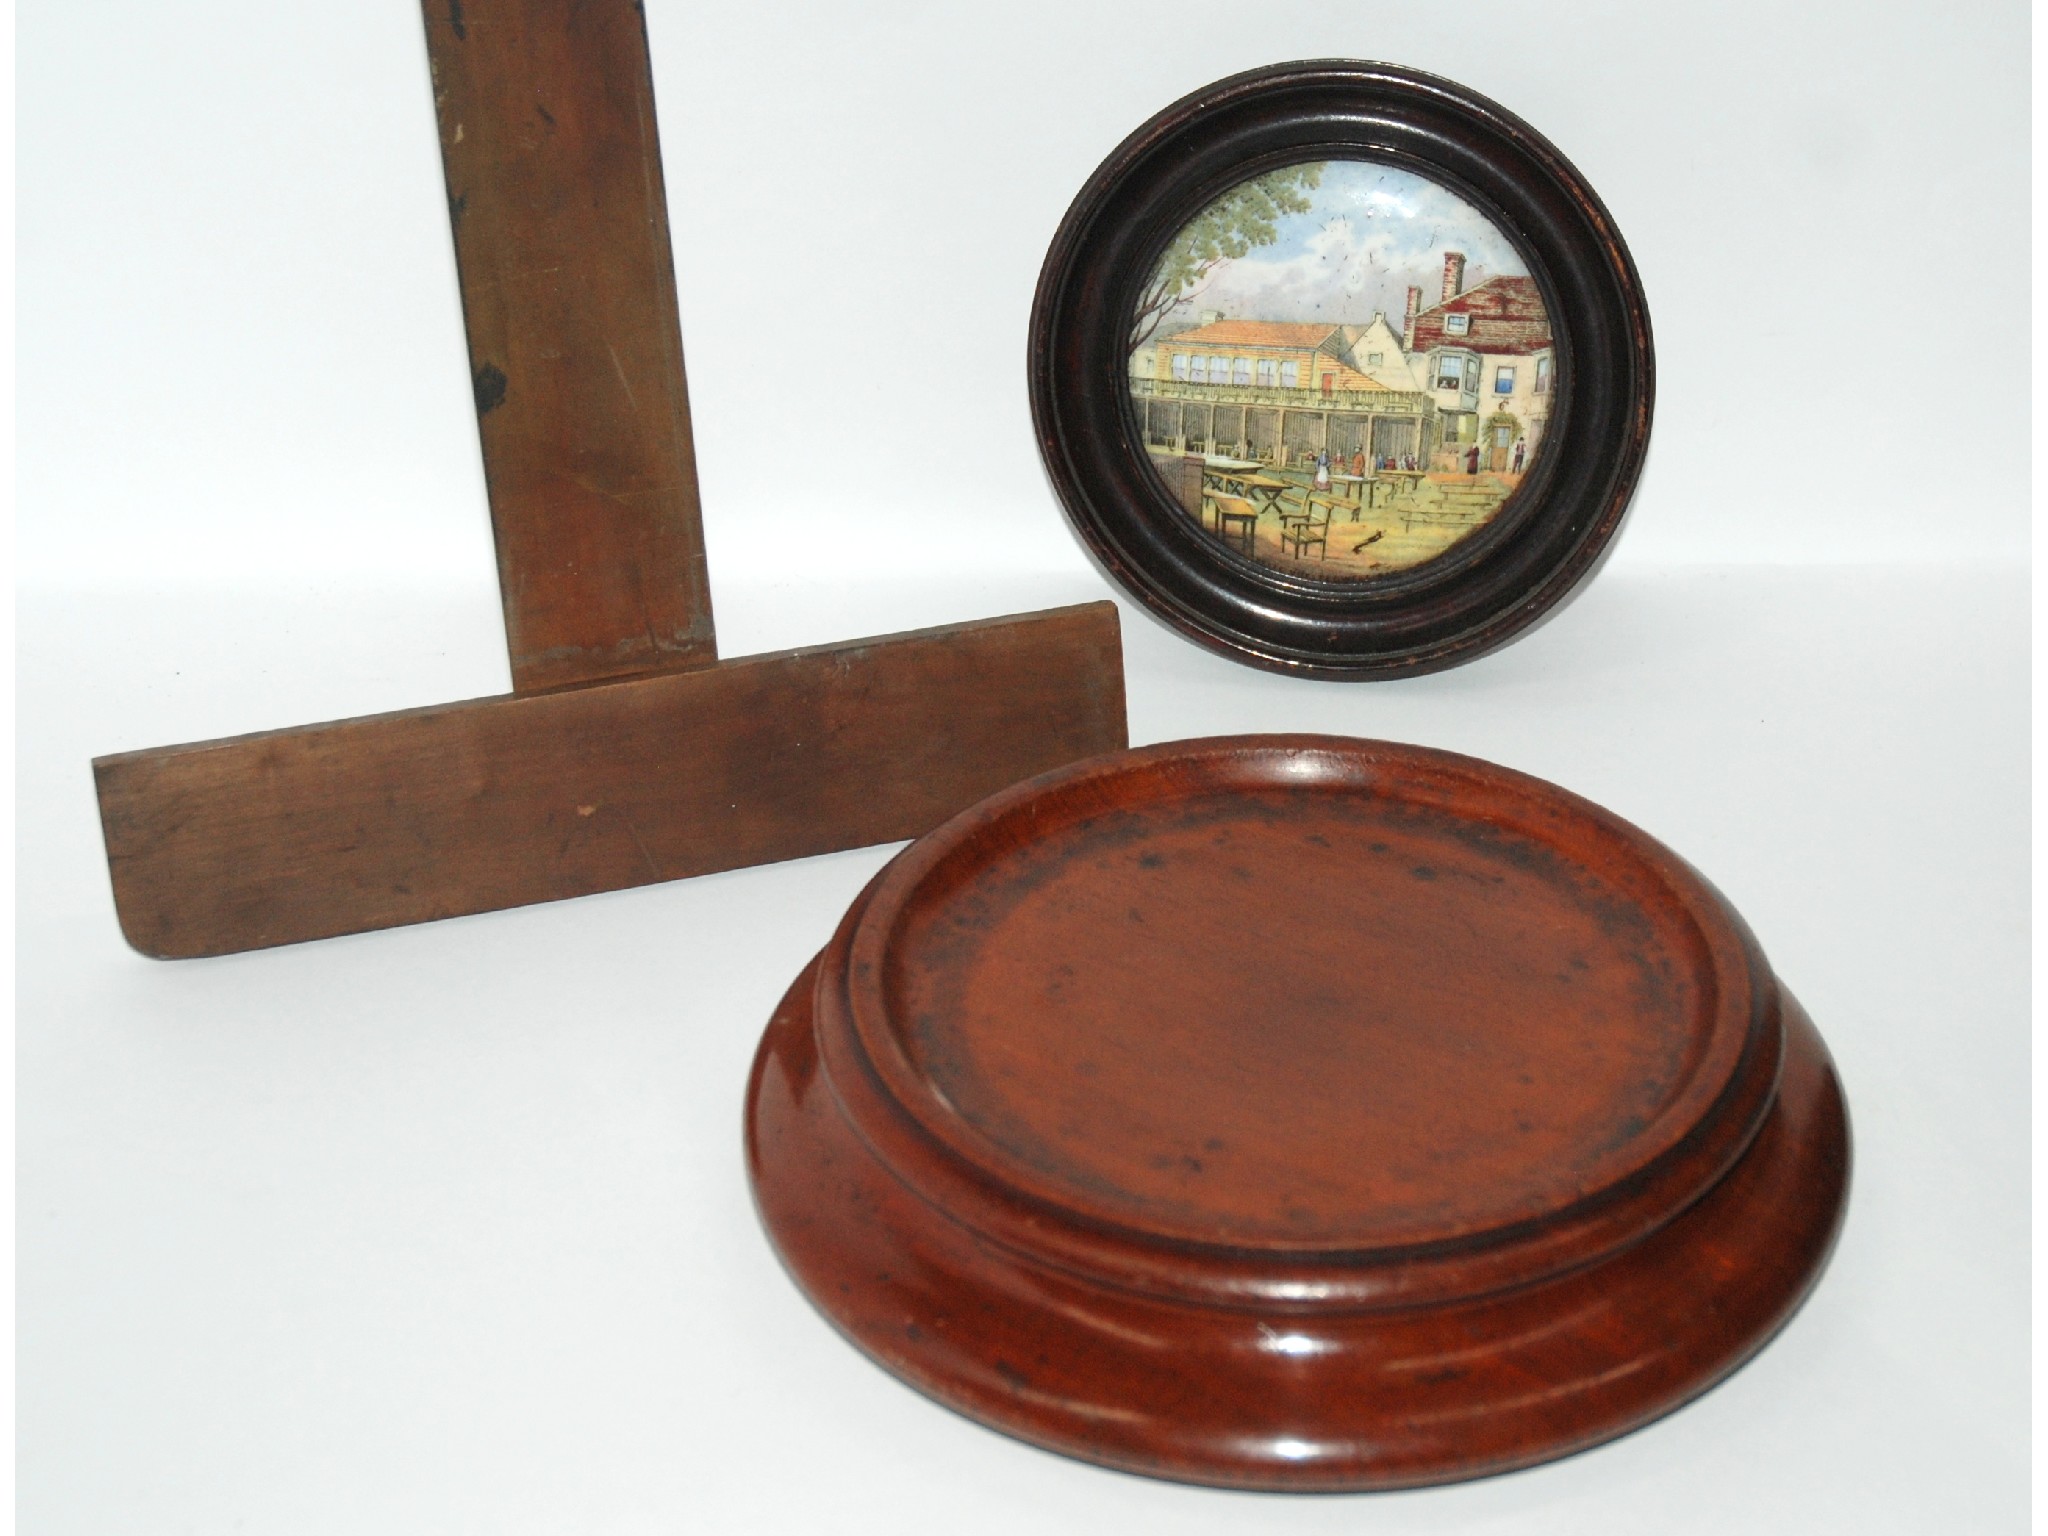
point(1245, 216)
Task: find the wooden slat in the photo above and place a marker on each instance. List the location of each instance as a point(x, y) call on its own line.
point(546, 112)
point(327, 829)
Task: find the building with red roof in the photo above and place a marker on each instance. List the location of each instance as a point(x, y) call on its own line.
point(1486, 357)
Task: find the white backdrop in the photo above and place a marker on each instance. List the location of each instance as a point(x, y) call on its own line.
point(446, 1228)
point(241, 349)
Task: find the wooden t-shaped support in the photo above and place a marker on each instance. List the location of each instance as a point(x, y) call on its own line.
point(627, 753)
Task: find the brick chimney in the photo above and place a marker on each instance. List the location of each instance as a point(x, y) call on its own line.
point(1454, 274)
point(1408, 321)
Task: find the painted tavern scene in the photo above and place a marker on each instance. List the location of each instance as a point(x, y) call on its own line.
point(1341, 369)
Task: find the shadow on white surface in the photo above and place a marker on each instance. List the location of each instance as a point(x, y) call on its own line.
point(448, 1225)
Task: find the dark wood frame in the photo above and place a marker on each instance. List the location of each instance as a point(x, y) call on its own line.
point(1486, 589)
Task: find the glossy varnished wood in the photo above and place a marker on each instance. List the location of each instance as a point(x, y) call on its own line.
point(1298, 1113)
point(546, 114)
point(327, 829)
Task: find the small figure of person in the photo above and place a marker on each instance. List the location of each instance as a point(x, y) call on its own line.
point(1358, 462)
point(1472, 460)
point(1521, 443)
point(1322, 481)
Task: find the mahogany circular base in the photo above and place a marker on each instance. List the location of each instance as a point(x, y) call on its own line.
point(1297, 1113)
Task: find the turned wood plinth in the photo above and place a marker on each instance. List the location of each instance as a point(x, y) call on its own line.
point(1298, 1113)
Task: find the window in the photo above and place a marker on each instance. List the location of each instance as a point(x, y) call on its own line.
point(1198, 370)
point(1542, 375)
point(1503, 380)
point(1450, 371)
point(1180, 366)
point(1269, 371)
point(1471, 373)
point(1457, 325)
point(1219, 370)
point(1290, 375)
point(1374, 359)
point(1241, 371)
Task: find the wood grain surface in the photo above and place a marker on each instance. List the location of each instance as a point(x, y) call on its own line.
point(1298, 1113)
point(546, 114)
point(401, 818)
point(627, 753)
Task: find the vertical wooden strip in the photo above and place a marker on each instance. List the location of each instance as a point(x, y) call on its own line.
point(546, 112)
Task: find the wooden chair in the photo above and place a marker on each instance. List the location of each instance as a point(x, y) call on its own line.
point(1306, 525)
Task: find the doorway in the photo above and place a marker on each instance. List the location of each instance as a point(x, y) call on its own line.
point(1501, 439)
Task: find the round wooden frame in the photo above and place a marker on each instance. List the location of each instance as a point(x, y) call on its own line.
point(1059, 1136)
point(1490, 586)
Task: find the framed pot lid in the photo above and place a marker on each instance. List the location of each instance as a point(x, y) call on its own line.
point(1341, 369)
point(1297, 1113)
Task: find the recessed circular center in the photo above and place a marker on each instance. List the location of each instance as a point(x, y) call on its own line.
point(1302, 1016)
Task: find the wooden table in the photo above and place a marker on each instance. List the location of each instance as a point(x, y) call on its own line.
point(1237, 520)
point(1366, 489)
point(1268, 488)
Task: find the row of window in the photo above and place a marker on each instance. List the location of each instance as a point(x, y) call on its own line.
point(1234, 370)
point(1454, 371)
point(1461, 325)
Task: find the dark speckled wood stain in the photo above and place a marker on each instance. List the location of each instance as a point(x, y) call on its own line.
point(1441, 1035)
point(1298, 1112)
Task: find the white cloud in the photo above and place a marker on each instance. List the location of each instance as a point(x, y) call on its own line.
point(1372, 233)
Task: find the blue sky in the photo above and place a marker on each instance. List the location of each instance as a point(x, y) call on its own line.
point(1373, 231)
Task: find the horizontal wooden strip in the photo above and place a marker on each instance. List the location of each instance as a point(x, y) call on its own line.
point(428, 813)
